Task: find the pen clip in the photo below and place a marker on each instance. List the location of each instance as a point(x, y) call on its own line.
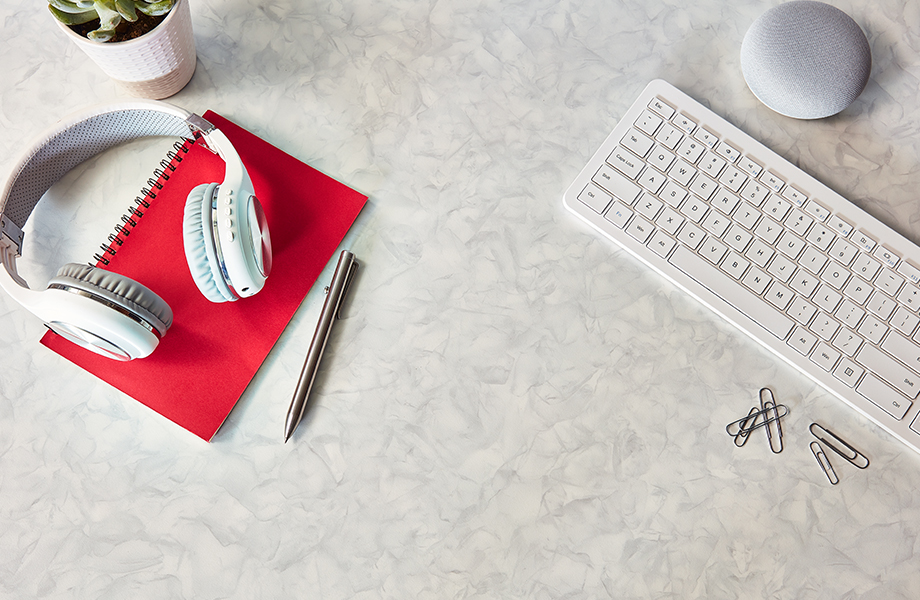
point(351, 274)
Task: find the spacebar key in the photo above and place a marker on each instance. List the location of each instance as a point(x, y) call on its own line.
point(726, 288)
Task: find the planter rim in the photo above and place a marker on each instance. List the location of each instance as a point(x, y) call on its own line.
point(123, 43)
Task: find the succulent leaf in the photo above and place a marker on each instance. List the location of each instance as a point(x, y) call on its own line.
point(154, 9)
point(126, 9)
point(72, 8)
point(68, 18)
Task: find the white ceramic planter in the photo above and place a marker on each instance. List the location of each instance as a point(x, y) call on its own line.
point(156, 65)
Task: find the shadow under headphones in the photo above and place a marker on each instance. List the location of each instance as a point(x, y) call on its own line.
point(225, 232)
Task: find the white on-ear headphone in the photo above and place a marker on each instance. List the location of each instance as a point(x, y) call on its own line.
point(225, 232)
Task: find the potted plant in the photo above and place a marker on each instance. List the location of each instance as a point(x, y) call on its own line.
point(146, 46)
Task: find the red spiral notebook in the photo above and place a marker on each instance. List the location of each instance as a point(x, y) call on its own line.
point(212, 351)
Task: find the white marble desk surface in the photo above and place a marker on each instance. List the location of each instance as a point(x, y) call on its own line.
point(513, 407)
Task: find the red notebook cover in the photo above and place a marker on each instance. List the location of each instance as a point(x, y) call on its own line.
point(207, 358)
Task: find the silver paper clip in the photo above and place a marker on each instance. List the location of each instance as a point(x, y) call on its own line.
point(852, 455)
point(742, 436)
point(822, 459)
point(768, 403)
point(746, 425)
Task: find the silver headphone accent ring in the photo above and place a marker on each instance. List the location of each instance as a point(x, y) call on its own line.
point(121, 309)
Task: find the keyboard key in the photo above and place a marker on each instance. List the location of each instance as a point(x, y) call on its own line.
point(799, 222)
point(886, 256)
point(694, 209)
point(801, 311)
point(652, 180)
point(772, 180)
point(827, 298)
point(707, 137)
point(721, 285)
point(661, 244)
point(824, 326)
point(872, 329)
point(847, 342)
point(712, 165)
point(881, 306)
point(825, 357)
point(790, 244)
point(735, 266)
point(781, 268)
point(802, 341)
point(703, 186)
point(848, 372)
point(669, 221)
point(616, 184)
point(812, 260)
point(728, 152)
point(715, 223)
point(685, 123)
point(821, 237)
point(858, 290)
point(725, 201)
point(911, 272)
point(637, 142)
point(595, 197)
point(905, 321)
point(889, 282)
point(669, 136)
point(660, 158)
point(865, 267)
point(835, 275)
point(738, 238)
point(850, 314)
point(754, 192)
point(690, 149)
point(661, 107)
point(843, 251)
point(648, 206)
point(776, 207)
point(864, 241)
point(639, 229)
point(648, 123)
point(840, 226)
point(682, 172)
point(794, 195)
point(909, 296)
point(619, 214)
point(779, 295)
point(750, 166)
point(756, 280)
point(625, 162)
point(732, 179)
point(817, 210)
point(691, 235)
point(884, 397)
point(759, 253)
point(713, 250)
point(673, 194)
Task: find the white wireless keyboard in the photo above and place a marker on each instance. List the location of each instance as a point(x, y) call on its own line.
point(809, 275)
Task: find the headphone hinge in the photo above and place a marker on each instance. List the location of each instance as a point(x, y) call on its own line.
point(10, 231)
point(200, 128)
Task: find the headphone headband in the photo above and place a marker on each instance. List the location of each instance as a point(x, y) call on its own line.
point(77, 138)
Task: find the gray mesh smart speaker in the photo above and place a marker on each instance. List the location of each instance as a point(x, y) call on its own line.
point(806, 59)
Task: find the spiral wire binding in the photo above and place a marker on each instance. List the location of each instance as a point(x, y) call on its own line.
point(142, 202)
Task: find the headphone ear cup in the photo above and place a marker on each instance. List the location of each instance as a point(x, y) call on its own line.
point(198, 240)
point(118, 290)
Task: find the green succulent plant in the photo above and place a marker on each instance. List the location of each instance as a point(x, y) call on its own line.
point(109, 12)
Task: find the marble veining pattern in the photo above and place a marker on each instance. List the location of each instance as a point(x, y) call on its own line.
point(512, 407)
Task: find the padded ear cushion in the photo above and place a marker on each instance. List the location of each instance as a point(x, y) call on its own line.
point(198, 239)
point(119, 290)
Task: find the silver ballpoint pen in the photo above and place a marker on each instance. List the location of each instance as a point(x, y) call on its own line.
point(335, 293)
